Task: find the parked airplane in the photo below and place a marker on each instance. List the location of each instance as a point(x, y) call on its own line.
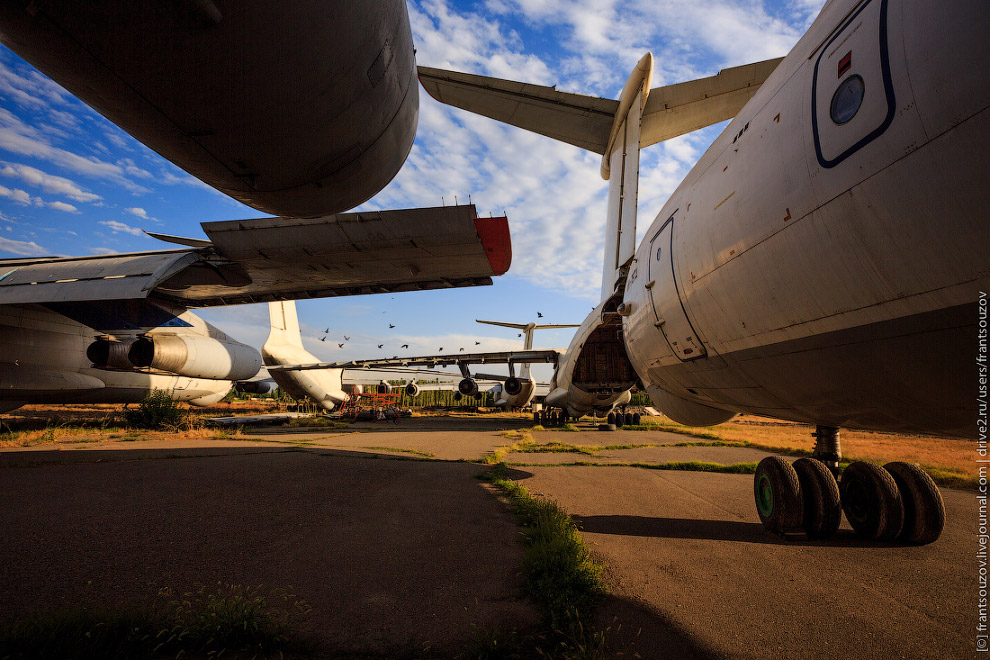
point(824, 260)
point(518, 391)
point(207, 86)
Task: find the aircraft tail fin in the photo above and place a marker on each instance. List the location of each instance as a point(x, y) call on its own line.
point(285, 324)
point(528, 329)
point(615, 129)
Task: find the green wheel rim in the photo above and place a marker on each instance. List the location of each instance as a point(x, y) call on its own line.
point(764, 496)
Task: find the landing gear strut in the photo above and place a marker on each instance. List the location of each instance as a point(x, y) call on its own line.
point(898, 502)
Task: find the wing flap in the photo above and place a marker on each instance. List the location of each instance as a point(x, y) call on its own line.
point(353, 253)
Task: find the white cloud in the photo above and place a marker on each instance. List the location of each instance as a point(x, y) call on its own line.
point(121, 227)
point(48, 182)
point(22, 248)
point(62, 206)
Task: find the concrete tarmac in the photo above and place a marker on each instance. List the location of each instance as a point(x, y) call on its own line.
point(399, 549)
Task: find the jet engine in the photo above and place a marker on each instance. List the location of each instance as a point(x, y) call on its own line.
point(468, 387)
point(110, 352)
point(458, 396)
point(195, 356)
point(383, 388)
point(512, 386)
point(411, 389)
point(255, 386)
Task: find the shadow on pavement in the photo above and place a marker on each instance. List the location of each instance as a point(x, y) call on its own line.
point(714, 530)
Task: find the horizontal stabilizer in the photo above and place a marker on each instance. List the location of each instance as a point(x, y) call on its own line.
point(586, 121)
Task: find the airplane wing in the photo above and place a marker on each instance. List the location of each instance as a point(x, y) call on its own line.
point(503, 357)
point(586, 121)
point(247, 261)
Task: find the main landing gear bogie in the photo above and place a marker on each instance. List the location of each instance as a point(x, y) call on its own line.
point(898, 502)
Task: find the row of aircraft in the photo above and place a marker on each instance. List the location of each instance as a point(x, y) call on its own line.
point(821, 263)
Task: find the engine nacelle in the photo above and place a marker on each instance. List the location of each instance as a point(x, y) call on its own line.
point(411, 389)
point(383, 388)
point(255, 386)
point(458, 396)
point(512, 386)
point(110, 352)
point(196, 356)
point(468, 387)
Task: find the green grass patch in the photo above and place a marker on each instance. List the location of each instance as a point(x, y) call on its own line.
point(319, 422)
point(227, 620)
point(671, 428)
point(561, 576)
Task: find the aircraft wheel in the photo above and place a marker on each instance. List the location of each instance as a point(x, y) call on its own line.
point(871, 501)
point(820, 492)
point(610, 419)
point(620, 419)
point(637, 419)
point(536, 417)
point(924, 511)
point(563, 417)
point(628, 419)
point(778, 495)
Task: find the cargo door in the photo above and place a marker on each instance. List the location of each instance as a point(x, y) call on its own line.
point(671, 319)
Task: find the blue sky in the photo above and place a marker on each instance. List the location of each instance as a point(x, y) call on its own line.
point(71, 183)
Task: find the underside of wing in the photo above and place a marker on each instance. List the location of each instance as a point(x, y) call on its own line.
point(268, 259)
point(501, 357)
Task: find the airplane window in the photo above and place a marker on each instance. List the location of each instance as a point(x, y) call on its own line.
point(659, 251)
point(847, 99)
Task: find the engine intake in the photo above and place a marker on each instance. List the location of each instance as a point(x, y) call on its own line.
point(411, 389)
point(195, 356)
point(383, 388)
point(468, 387)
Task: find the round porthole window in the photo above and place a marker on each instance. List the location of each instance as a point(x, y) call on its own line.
point(847, 99)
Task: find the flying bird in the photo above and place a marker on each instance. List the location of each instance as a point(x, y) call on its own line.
point(441, 348)
point(340, 345)
point(519, 335)
point(380, 345)
point(539, 315)
point(346, 338)
point(405, 346)
point(477, 343)
point(323, 338)
point(327, 331)
point(390, 325)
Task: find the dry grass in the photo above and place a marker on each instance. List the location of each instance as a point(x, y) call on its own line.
point(953, 456)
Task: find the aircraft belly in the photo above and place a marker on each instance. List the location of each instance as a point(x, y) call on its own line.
point(914, 374)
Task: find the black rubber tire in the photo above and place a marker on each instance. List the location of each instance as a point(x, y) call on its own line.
point(637, 419)
point(610, 419)
point(628, 419)
point(871, 501)
point(563, 417)
point(778, 495)
point(820, 492)
point(924, 511)
point(536, 418)
point(620, 419)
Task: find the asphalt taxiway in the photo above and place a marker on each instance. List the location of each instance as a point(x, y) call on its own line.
point(398, 547)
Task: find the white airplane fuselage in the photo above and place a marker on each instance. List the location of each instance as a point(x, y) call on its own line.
point(827, 268)
point(43, 359)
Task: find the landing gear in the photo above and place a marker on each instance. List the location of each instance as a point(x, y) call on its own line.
point(897, 502)
point(924, 511)
point(820, 495)
point(778, 495)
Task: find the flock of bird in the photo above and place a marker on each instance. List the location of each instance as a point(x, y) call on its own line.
point(326, 334)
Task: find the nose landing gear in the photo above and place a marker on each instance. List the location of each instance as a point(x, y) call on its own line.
point(898, 502)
